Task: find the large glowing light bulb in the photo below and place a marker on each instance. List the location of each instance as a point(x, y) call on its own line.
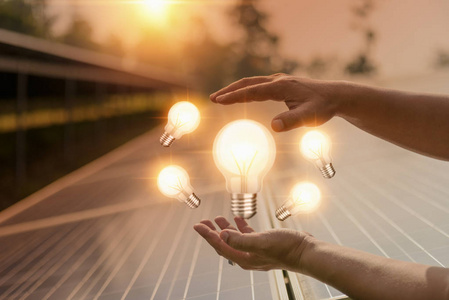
point(173, 181)
point(183, 118)
point(244, 152)
point(305, 197)
point(315, 147)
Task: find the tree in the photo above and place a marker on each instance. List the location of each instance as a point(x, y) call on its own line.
point(442, 59)
point(257, 53)
point(363, 62)
point(28, 17)
point(207, 61)
point(114, 45)
point(79, 34)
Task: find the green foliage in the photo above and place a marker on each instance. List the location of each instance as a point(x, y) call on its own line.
point(28, 17)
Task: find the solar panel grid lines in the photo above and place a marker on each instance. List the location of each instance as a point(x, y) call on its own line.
point(416, 206)
point(132, 245)
point(26, 242)
point(18, 262)
point(373, 208)
point(117, 239)
point(136, 261)
point(43, 264)
point(407, 208)
point(196, 251)
point(104, 235)
point(68, 254)
point(221, 259)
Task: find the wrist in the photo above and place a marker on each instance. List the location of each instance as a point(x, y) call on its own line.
point(343, 97)
point(304, 250)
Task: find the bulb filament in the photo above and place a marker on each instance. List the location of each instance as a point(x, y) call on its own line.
point(178, 187)
point(244, 170)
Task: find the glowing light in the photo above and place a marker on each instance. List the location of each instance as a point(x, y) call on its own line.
point(315, 147)
point(244, 152)
point(183, 118)
point(305, 197)
point(156, 10)
point(173, 181)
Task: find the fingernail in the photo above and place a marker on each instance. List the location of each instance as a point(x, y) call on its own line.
point(212, 97)
point(219, 98)
point(224, 236)
point(277, 125)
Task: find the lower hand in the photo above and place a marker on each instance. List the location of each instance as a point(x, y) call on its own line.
point(273, 249)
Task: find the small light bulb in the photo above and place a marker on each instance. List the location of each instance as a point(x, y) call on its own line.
point(244, 152)
point(315, 147)
point(183, 118)
point(173, 181)
point(305, 197)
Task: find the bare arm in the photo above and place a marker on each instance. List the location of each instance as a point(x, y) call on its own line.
point(417, 122)
point(358, 274)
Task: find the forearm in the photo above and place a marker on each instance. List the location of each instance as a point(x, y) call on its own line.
point(365, 276)
point(416, 122)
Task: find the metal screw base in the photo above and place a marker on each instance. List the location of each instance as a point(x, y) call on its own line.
point(193, 201)
point(244, 205)
point(166, 139)
point(282, 213)
point(328, 171)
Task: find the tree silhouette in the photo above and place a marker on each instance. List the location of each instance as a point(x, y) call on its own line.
point(79, 34)
point(257, 53)
point(363, 62)
point(28, 17)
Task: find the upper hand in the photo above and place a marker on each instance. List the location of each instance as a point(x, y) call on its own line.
point(274, 249)
point(310, 102)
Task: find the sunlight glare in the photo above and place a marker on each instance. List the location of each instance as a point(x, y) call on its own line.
point(156, 9)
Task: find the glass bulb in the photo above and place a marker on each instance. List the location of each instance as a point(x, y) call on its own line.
point(305, 197)
point(244, 152)
point(315, 147)
point(173, 181)
point(183, 118)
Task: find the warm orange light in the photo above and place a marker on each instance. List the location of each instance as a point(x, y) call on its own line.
point(156, 10)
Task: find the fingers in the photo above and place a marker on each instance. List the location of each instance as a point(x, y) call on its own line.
point(258, 92)
point(304, 115)
point(242, 225)
point(240, 84)
point(223, 223)
point(213, 238)
point(209, 224)
point(248, 242)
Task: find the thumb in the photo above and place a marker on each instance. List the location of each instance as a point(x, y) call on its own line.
point(305, 115)
point(248, 242)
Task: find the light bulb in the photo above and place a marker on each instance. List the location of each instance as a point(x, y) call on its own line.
point(305, 197)
point(315, 147)
point(173, 181)
point(244, 152)
point(183, 118)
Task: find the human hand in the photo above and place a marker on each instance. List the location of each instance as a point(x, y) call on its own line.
point(310, 102)
point(273, 249)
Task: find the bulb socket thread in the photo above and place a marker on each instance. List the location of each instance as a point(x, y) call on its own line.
point(193, 201)
point(166, 139)
point(282, 213)
point(328, 171)
point(244, 205)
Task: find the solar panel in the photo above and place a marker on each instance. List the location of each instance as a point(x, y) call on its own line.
point(105, 232)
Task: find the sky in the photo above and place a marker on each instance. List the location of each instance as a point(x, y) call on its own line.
point(409, 32)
